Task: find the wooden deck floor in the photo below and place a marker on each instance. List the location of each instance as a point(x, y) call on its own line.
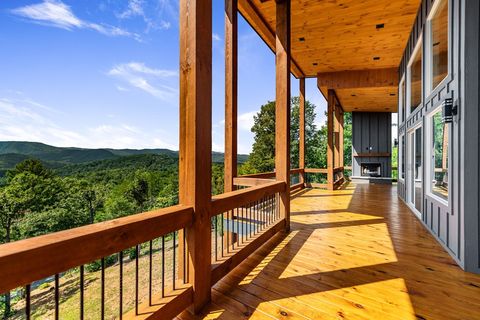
point(357, 253)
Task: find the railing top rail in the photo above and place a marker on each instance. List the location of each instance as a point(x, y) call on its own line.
point(230, 200)
point(25, 261)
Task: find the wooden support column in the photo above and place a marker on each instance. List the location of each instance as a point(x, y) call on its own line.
point(331, 100)
point(341, 125)
point(336, 130)
point(301, 148)
point(282, 113)
point(231, 76)
point(196, 139)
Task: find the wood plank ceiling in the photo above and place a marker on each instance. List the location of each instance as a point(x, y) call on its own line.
point(331, 36)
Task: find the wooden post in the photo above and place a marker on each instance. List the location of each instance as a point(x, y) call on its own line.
point(231, 76)
point(282, 113)
point(301, 148)
point(341, 124)
point(330, 147)
point(196, 139)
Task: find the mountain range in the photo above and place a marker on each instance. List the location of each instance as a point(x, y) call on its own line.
point(13, 152)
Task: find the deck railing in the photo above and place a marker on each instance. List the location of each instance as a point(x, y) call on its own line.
point(151, 245)
point(147, 252)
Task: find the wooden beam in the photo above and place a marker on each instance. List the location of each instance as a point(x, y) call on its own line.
point(231, 77)
point(282, 108)
point(196, 139)
point(262, 28)
point(358, 79)
point(301, 148)
point(330, 147)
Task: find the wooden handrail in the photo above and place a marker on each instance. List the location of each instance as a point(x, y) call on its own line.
point(25, 261)
point(231, 200)
point(250, 182)
point(270, 174)
point(316, 170)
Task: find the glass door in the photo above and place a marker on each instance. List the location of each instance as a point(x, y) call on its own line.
point(415, 170)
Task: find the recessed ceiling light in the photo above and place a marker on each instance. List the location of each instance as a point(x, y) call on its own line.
point(315, 64)
point(301, 39)
point(376, 58)
point(387, 108)
point(355, 108)
point(354, 95)
point(380, 26)
point(392, 94)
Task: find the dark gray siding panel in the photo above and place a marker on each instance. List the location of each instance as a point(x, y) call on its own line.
point(372, 129)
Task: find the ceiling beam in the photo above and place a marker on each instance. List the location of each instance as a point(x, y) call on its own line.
point(358, 79)
point(263, 29)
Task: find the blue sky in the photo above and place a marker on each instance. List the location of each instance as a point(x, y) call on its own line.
point(105, 74)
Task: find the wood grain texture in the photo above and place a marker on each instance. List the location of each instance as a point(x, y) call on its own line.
point(25, 261)
point(195, 163)
point(356, 253)
point(231, 91)
point(301, 147)
point(282, 105)
point(340, 36)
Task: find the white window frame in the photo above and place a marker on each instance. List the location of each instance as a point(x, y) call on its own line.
point(401, 145)
point(408, 105)
point(401, 99)
point(429, 166)
point(428, 49)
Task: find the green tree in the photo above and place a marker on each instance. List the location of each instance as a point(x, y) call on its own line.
point(262, 158)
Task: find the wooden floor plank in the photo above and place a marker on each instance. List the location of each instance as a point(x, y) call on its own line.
point(356, 253)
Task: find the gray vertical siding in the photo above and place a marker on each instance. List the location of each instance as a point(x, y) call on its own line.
point(456, 225)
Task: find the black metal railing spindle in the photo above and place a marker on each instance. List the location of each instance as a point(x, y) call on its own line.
point(82, 291)
point(120, 263)
point(27, 302)
point(57, 296)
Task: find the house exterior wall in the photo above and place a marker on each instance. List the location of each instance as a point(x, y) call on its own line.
point(455, 224)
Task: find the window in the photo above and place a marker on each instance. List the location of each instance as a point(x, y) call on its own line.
point(415, 78)
point(438, 44)
point(401, 101)
point(439, 156)
point(402, 157)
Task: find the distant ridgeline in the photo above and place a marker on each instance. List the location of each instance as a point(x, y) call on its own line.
point(73, 160)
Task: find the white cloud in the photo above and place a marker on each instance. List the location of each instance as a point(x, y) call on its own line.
point(245, 121)
point(153, 81)
point(22, 121)
point(57, 14)
point(136, 8)
point(216, 37)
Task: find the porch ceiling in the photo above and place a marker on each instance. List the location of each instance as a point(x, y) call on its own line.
point(341, 35)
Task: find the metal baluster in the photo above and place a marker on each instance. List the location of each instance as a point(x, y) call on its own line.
point(173, 271)
point(163, 266)
point(27, 302)
point(228, 231)
point(82, 291)
point(137, 253)
point(103, 289)
point(185, 256)
point(216, 242)
point(150, 266)
point(57, 296)
point(120, 309)
point(223, 233)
